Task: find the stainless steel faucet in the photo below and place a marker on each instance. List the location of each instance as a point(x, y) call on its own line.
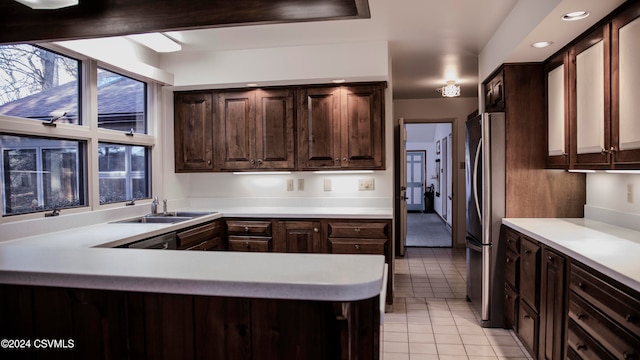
point(154, 205)
point(164, 206)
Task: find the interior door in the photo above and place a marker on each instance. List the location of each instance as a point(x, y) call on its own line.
point(415, 180)
point(401, 189)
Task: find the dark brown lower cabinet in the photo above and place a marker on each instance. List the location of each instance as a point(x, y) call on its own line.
point(106, 324)
point(552, 305)
point(528, 327)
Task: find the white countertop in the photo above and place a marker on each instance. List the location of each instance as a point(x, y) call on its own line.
point(612, 250)
point(82, 257)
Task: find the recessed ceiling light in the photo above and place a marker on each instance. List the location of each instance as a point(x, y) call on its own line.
point(338, 81)
point(252, 84)
point(542, 44)
point(575, 15)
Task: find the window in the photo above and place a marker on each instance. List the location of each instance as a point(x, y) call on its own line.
point(41, 174)
point(121, 102)
point(123, 172)
point(39, 84)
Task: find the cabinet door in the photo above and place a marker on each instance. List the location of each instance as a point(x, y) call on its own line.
point(236, 130)
point(362, 133)
point(193, 132)
point(319, 128)
point(557, 114)
point(590, 116)
point(274, 135)
point(552, 305)
point(529, 272)
point(298, 237)
point(625, 87)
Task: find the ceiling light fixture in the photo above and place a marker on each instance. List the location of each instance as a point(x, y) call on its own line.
point(451, 89)
point(575, 15)
point(252, 84)
point(157, 42)
point(48, 4)
point(542, 44)
point(338, 81)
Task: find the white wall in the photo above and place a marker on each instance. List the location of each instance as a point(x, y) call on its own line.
point(275, 66)
point(438, 109)
point(607, 199)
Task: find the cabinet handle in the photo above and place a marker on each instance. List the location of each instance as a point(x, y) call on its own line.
point(357, 247)
point(252, 162)
point(508, 261)
point(246, 243)
point(580, 316)
point(581, 285)
point(506, 297)
point(259, 162)
point(208, 162)
point(315, 229)
point(581, 347)
point(628, 356)
point(337, 160)
point(630, 318)
point(550, 258)
point(344, 159)
point(246, 229)
point(357, 229)
point(525, 316)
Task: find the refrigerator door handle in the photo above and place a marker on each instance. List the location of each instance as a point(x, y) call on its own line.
point(475, 180)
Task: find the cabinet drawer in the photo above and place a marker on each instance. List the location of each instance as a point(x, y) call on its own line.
point(191, 237)
point(209, 245)
point(237, 227)
point(582, 346)
point(512, 240)
point(616, 303)
point(528, 324)
point(510, 307)
point(529, 272)
point(357, 246)
point(249, 243)
point(612, 337)
point(511, 268)
point(371, 230)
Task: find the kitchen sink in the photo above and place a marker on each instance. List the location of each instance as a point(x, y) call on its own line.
point(186, 213)
point(160, 219)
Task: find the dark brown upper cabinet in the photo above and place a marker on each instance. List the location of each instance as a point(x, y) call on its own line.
point(193, 131)
point(494, 93)
point(255, 129)
point(557, 78)
point(341, 127)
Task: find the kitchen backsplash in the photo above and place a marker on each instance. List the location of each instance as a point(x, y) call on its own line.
point(614, 198)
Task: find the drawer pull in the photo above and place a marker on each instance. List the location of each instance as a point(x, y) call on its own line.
point(246, 243)
point(581, 347)
point(525, 316)
point(506, 297)
point(580, 316)
point(550, 258)
point(246, 229)
point(527, 252)
point(357, 247)
point(628, 356)
point(508, 261)
point(315, 229)
point(357, 229)
point(630, 318)
point(581, 285)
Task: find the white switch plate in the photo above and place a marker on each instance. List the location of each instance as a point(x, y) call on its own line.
point(289, 184)
point(366, 184)
point(300, 184)
point(327, 184)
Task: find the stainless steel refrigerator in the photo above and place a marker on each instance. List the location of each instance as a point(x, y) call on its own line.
point(485, 179)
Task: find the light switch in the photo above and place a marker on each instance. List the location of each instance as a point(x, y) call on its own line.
point(289, 184)
point(366, 184)
point(327, 184)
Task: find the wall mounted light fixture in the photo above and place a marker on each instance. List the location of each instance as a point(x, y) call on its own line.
point(48, 4)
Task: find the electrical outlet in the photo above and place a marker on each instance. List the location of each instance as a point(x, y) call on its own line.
point(300, 184)
point(327, 184)
point(630, 193)
point(289, 184)
point(366, 184)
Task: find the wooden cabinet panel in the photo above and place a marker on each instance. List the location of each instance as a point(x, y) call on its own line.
point(275, 137)
point(552, 309)
point(558, 130)
point(194, 236)
point(210, 245)
point(512, 239)
point(625, 85)
point(236, 129)
point(249, 243)
point(298, 237)
point(378, 230)
point(249, 227)
point(494, 99)
point(357, 246)
point(512, 268)
point(193, 132)
point(341, 127)
point(511, 310)
point(528, 327)
point(529, 272)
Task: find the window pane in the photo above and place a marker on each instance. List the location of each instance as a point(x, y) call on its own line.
point(124, 172)
point(121, 102)
point(40, 174)
point(38, 84)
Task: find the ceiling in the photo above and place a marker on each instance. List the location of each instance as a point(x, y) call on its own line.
point(429, 41)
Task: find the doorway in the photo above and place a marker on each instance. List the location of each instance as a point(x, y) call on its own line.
point(424, 208)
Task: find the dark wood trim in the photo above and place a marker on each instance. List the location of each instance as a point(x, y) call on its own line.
point(100, 18)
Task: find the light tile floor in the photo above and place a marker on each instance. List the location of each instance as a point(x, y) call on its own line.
point(431, 318)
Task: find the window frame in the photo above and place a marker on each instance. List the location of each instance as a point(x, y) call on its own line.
point(88, 131)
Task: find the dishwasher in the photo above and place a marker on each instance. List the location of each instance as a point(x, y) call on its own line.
point(163, 242)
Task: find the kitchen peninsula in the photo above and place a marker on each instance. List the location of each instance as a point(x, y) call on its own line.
point(189, 304)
